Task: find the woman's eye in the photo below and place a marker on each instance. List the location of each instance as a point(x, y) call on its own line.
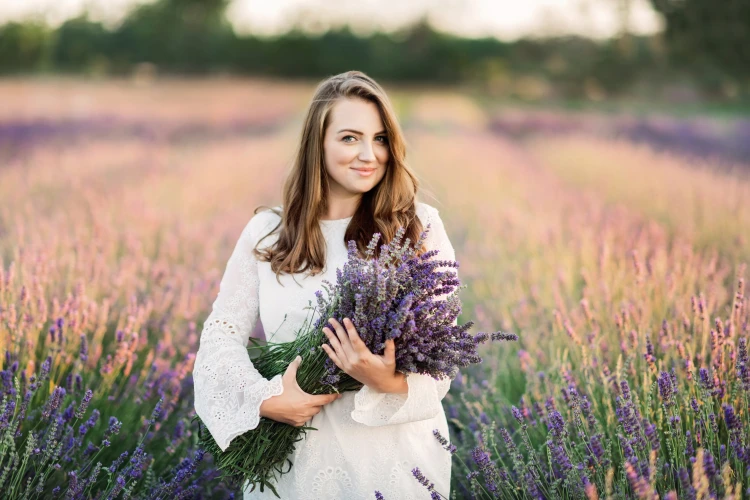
point(384, 138)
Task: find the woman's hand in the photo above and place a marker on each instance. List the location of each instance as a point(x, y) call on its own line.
point(351, 355)
point(294, 406)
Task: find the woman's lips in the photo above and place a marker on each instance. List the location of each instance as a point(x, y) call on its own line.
point(364, 172)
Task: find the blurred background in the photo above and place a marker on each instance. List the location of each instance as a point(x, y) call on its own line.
point(678, 52)
point(590, 160)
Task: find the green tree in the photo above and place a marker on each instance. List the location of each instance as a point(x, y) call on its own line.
point(709, 35)
point(23, 46)
point(80, 44)
point(182, 35)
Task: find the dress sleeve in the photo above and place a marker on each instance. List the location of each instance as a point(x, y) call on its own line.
point(228, 388)
point(423, 399)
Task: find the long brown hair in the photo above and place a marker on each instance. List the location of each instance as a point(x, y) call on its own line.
point(387, 206)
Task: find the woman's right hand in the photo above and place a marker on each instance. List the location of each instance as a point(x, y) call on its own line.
point(294, 406)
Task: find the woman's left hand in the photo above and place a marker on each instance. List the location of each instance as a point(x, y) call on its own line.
point(352, 355)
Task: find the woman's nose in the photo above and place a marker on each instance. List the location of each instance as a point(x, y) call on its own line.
point(366, 153)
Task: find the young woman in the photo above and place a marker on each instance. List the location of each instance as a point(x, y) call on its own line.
point(349, 181)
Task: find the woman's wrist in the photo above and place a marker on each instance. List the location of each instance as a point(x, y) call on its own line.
point(397, 385)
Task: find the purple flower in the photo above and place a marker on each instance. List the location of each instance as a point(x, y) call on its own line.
point(531, 486)
point(117, 462)
point(714, 423)
point(444, 442)
point(487, 467)
point(113, 427)
point(708, 465)
point(556, 425)
point(84, 351)
point(84, 403)
point(743, 364)
point(504, 336)
point(666, 390)
point(517, 414)
point(424, 481)
point(688, 492)
point(596, 446)
point(157, 411)
point(46, 366)
point(689, 450)
point(54, 401)
point(694, 405)
point(731, 419)
point(706, 381)
point(625, 390)
point(560, 457)
point(652, 435)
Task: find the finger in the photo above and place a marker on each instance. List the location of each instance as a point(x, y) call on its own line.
point(335, 343)
point(343, 337)
point(390, 350)
point(357, 343)
point(324, 399)
point(333, 356)
point(291, 370)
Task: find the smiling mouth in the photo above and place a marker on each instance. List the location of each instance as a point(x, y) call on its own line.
point(364, 169)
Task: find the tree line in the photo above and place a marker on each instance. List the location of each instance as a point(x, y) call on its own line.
point(705, 44)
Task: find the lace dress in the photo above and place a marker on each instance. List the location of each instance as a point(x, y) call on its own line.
point(366, 440)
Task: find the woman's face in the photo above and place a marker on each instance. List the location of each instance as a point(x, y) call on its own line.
point(355, 148)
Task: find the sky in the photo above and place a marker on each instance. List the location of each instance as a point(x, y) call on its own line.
point(505, 19)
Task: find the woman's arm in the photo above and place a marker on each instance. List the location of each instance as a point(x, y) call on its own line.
point(228, 388)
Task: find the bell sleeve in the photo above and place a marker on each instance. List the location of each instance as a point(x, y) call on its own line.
point(228, 388)
point(423, 399)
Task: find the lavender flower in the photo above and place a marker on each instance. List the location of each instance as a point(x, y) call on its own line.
point(706, 381)
point(666, 390)
point(444, 442)
point(708, 465)
point(517, 414)
point(652, 436)
point(688, 492)
point(84, 403)
point(426, 483)
point(743, 364)
point(54, 401)
point(487, 467)
point(84, 351)
point(157, 411)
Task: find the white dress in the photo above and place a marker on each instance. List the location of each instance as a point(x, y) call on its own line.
point(366, 440)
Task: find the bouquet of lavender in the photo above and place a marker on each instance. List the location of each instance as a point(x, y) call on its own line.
point(396, 296)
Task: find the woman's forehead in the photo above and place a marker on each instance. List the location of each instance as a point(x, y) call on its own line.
point(356, 114)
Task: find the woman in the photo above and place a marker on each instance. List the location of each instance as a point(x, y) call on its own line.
point(349, 180)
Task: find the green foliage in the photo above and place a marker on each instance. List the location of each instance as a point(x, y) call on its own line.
point(709, 36)
point(22, 46)
point(194, 37)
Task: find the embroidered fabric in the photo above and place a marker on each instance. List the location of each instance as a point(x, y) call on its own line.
point(366, 440)
point(228, 388)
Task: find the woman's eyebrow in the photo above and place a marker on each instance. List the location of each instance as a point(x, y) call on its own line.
point(357, 131)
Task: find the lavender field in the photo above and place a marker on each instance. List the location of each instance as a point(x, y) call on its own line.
point(614, 246)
